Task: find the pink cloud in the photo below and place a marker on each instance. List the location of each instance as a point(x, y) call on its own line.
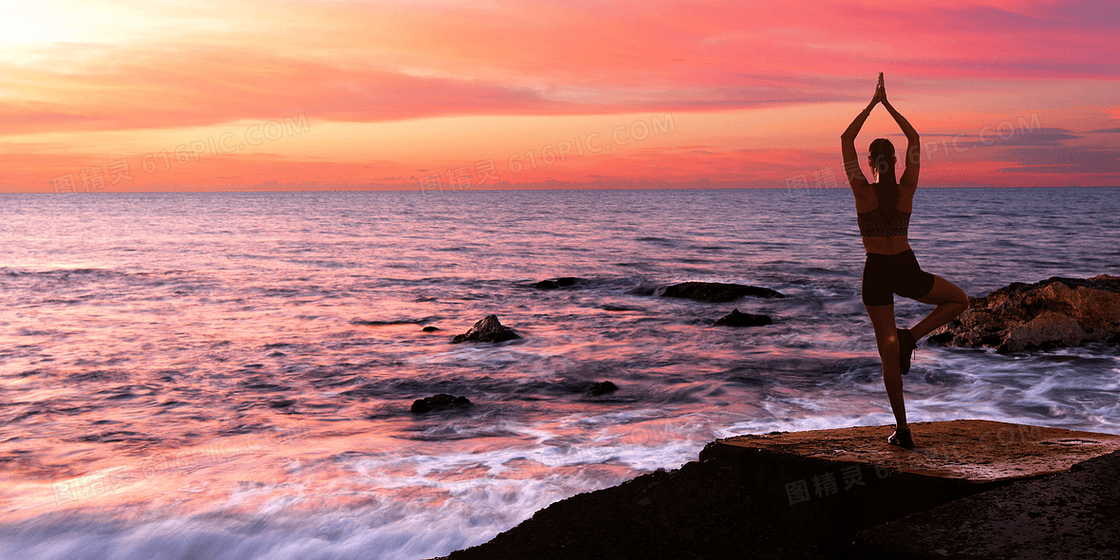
point(377, 62)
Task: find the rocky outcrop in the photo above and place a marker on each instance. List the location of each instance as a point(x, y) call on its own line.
point(717, 292)
point(1053, 313)
point(737, 319)
point(809, 494)
point(702, 510)
point(488, 329)
point(440, 401)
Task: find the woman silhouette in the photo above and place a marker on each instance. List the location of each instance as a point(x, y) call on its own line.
point(883, 213)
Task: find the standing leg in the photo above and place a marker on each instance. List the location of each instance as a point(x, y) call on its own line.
point(886, 338)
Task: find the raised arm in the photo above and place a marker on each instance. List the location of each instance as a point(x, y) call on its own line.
point(847, 141)
point(913, 146)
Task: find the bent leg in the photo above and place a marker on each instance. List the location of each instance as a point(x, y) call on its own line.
point(950, 301)
point(886, 338)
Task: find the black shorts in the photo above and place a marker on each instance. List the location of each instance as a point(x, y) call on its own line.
point(886, 275)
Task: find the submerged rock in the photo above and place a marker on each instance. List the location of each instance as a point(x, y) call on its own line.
point(737, 319)
point(556, 283)
point(1057, 312)
point(439, 401)
point(601, 388)
point(430, 328)
point(717, 292)
point(488, 329)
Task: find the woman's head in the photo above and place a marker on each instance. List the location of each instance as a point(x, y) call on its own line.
point(882, 159)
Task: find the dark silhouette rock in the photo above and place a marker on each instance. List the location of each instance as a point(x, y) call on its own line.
point(875, 483)
point(555, 283)
point(1053, 313)
point(702, 510)
point(808, 494)
point(488, 329)
point(427, 404)
point(737, 319)
point(601, 388)
point(1065, 515)
point(717, 292)
point(430, 328)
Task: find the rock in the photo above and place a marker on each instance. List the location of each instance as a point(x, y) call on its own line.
point(736, 319)
point(427, 404)
point(1053, 313)
point(808, 494)
point(556, 283)
point(601, 388)
point(488, 329)
point(430, 328)
point(702, 510)
point(717, 292)
point(1075, 514)
point(827, 485)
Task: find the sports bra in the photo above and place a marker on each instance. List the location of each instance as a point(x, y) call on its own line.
point(874, 224)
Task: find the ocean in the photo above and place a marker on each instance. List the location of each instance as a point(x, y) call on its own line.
point(230, 375)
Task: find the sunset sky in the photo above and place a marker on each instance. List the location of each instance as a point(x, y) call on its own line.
point(387, 94)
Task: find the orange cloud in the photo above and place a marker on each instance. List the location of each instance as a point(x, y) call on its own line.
point(748, 81)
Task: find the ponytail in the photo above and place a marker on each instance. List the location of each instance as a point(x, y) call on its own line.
point(881, 154)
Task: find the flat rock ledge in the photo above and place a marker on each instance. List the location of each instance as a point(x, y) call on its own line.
point(488, 329)
point(969, 489)
point(717, 292)
point(1054, 313)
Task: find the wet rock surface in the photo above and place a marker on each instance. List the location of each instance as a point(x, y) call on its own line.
point(1054, 313)
point(1068, 515)
point(439, 402)
point(738, 319)
point(488, 329)
point(701, 510)
point(717, 292)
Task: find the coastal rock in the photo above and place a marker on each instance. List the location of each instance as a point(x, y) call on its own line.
point(702, 510)
point(1054, 313)
point(436, 402)
point(717, 292)
point(430, 328)
point(1066, 515)
point(601, 388)
point(737, 319)
point(488, 329)
point(808, 494)
point(555, 283)
point(827, 485)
